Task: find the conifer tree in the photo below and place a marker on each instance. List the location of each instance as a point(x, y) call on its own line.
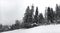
point(25, 19)
point(41, 18)
point(28, 16)
point(50, 15)
point(31, 14)
point(36, 16)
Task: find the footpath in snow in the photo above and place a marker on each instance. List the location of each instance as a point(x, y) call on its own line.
point(38, 29)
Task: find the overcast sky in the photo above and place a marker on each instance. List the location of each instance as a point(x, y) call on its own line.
point(11, 10)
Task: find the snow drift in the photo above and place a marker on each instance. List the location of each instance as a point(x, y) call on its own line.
point(38, 29)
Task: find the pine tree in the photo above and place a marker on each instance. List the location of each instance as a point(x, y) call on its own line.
point(31, 14)
point(36, 16)
point(28, 17)
point(50, 15)
point(57, 11)
point(0, 26)
point(41, 18)
point(16, 25)
point(25, 19)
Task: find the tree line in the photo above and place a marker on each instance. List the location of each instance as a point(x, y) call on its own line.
point(51, 16)
point(33, 18)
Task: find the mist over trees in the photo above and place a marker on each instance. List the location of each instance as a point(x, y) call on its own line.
point(33, 18)
point(51, 16)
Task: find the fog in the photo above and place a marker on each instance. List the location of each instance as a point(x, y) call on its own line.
point(11, 10)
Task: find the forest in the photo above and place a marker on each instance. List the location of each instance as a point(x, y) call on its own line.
point(32, 19)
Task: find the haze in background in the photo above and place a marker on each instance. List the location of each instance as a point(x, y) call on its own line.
point(11, 10)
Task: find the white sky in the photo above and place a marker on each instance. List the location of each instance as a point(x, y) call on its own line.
point(10, 10)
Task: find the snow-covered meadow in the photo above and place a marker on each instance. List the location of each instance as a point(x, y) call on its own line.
point(38, 29)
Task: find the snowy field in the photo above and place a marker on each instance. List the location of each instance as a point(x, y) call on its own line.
point(39, 29)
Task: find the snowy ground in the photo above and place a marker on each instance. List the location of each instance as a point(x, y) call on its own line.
point(39, 29)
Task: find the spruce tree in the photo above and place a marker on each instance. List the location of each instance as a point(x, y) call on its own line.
point(28, 16)
point(17, 24)
point(41, 18)
point(50, 15)
point(31, 14)
point(36, 16)
point(25, 19)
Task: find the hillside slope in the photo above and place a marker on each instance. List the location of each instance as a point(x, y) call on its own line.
point(39, 29)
